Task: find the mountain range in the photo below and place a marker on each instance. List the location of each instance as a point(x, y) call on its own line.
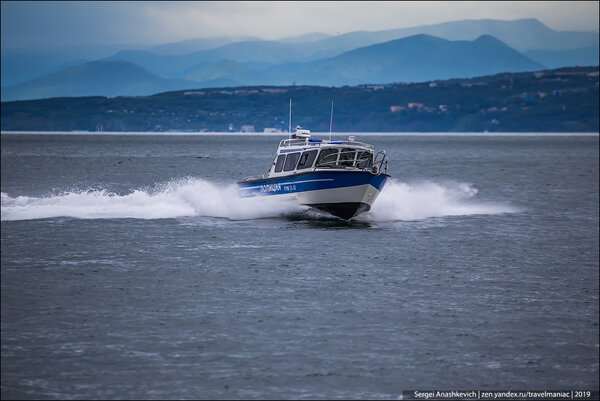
point(420, 58)
point(110, 78)
point(458, 49)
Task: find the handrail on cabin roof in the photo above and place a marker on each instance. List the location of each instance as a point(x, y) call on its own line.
point(321, 142)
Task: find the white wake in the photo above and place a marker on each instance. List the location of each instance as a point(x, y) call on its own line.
point(422, 200)
point(198, 197)
point(181, 198)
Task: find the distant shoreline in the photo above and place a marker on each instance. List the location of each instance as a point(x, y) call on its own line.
point(550, 101)
point(315, 134)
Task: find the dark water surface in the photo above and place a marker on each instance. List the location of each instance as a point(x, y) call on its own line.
point(130, 269)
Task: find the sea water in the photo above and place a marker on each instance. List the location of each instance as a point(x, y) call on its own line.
point(132, 269)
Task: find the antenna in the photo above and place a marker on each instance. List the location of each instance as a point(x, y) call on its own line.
point(330, 120)
point(290, 129)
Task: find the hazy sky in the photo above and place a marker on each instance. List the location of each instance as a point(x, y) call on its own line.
point(52, 23)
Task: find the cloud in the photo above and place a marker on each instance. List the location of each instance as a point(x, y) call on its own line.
point(54, 24)
point(274, 20)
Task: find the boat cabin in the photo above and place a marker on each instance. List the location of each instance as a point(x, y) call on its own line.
point(301, 153)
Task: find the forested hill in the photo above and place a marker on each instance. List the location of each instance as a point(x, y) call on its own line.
point(562, 100)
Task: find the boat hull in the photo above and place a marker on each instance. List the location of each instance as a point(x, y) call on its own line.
point(342, 193)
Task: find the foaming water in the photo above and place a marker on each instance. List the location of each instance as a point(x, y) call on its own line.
point(181, 198)
point(194, 197)
point(418, 201)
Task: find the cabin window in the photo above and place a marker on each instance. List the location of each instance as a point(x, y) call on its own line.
point(364, 160)
point(290, 161)
point(347, 157)
point(327, 158)
point(307, 159)
point(279, 163)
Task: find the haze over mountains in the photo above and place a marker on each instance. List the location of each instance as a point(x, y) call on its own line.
point(459, 49)
point(108, 78)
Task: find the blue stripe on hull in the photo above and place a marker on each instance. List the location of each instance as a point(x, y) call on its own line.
point(311, 181)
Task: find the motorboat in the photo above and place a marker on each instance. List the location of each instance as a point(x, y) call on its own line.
point(340, 177)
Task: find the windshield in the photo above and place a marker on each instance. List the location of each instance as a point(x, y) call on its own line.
point(327, 157)
point(364, 160)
